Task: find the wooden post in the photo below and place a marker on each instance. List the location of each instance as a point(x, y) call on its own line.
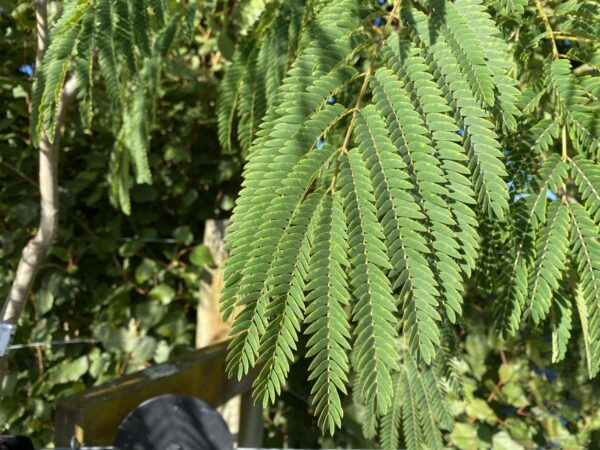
point(209, 326)
point(242, 417)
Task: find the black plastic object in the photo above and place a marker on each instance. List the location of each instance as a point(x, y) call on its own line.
point(15, 443)
point(173, 422)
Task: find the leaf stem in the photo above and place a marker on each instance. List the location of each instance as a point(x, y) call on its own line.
point(564, 143)
point(363, 89)
point(564, 157)
point(544, 16)
point(559, 35)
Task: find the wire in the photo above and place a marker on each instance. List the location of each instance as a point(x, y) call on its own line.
point(53, 343)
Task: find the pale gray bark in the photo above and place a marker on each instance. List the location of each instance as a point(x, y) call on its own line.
point(37, 248)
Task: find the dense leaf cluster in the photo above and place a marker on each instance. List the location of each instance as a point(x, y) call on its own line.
point(127, 286)
point(421, 197)
point(389, 152)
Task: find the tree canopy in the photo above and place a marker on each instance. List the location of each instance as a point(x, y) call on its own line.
point(420, 198)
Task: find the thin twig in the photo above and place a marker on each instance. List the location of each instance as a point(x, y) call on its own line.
point(544, 16)
point(564, 143)
point(18, 172)
point(564, 157)
point(365, 85)
point(559, 35)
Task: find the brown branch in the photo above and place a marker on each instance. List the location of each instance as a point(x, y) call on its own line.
point(37, 248)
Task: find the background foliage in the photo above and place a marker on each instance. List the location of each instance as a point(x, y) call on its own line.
point(129, 282)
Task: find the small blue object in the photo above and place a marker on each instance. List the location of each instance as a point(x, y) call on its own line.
point(377, 21)
point(566, 42)
point(519, 197)
point(2, 10)
point(320, 144)
point(564, 421)
point(511, 184)
point(331, 100)
point(27, 69)
point(510, 411)
point(506, 152)
point(381, 2)
point(524, 173)
point(551, 195)
point(550, 375)
point(572, 402)
point(461, 132)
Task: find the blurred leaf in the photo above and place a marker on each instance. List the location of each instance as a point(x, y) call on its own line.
point(150, 313)
point(144, 349)
point(201, 256)
point(183, 235)
point(162, 352)
point(40, 409)
point(480, 410)
point(44, 301)
point(477, 349)
point(226, 46)
point(503, 441)
point(514, 394)
point(464, 436)
point(25, 213)
point(146, 270)
point(69, 371)
point(130, 248)
point(163, 293)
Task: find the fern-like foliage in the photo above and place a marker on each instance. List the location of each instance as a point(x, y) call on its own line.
point(259, 64)
point(396, 157)
point(418, 409)
point(549, 271)
point(358, 217)
point(380, 157)
point(129, 50)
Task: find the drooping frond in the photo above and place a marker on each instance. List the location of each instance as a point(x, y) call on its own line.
point(106, 34)
point(379, 153)
point(480, 140)
point(550, 254)
point(55, 65)
point(586, 175)
point(419, 405)
point(426, 157)
point(374, 310)
point(84, 66)
point(392, 421)
point(530, 214)
point(495, 51)
point(286, 310)
point(584, 241)
point(561, 321)
point(408, 248)
point(257, 69)
point(448, 172)
point(574, 104)
point(326, 317)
